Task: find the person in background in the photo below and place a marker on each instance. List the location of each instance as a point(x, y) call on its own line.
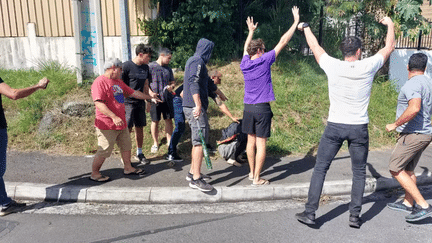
point(136, 75)
point(162, 79)
point(108, 93)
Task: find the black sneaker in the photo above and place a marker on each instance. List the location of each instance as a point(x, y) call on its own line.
point(305, 217)
point(11, 207)
point(142, 159)
point(399, 206)
point(354, 221)
point(174, 158)
point(205, 177)
point(201, 185)
point(419, 213)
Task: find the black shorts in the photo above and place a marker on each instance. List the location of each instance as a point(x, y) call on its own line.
point(158, 110)
point(257, 119)
point(135, 115)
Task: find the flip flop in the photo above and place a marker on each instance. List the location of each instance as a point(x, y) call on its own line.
point(250, 178)
point(101, 178)
point(136, 172)
point(262, 182)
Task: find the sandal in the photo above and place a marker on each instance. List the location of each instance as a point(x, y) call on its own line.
point(135, 172)
point(100, 178)
point(250, 178)
point(261, 182)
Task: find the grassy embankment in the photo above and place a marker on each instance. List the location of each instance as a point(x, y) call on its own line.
point(300, 110)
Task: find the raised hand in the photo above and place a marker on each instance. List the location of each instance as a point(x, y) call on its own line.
point(296, 13)
point(251, 26)
point(386, 21)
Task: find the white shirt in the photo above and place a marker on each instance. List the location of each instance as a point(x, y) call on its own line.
point(350, 85)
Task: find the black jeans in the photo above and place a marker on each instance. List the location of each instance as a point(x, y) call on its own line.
point(331, 141)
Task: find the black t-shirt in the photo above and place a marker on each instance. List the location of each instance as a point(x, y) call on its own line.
point(3, 123)
point(135, 76)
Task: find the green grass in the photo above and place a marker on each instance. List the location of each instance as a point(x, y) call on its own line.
point(300, 110)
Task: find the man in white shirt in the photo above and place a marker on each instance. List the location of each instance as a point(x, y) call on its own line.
point(350, 84)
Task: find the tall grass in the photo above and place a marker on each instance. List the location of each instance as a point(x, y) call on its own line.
point(300, 110)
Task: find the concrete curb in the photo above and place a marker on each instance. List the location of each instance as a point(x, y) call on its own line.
point(167, 195)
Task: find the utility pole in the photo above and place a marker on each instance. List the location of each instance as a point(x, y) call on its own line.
point(76, 5)
point(125, 31)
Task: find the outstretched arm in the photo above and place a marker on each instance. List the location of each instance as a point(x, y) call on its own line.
point(15, 94)
point(252, 27)
point(390, 38)
point(414, 106)
point(289, 34)
point(312, 41)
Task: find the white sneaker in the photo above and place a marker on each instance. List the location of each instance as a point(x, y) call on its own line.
point(233, 162)
point(154, 149)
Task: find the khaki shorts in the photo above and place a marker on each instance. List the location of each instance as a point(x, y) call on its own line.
point(107, 139)
point(408, 151)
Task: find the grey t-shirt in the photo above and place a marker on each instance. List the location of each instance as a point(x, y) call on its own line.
point(418, 86)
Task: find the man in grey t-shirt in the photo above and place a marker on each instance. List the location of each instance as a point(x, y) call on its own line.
point(413, 122)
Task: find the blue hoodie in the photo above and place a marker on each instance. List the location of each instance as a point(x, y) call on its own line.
point(196, 79)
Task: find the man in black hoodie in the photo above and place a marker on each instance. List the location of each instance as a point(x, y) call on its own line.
point(195, 103)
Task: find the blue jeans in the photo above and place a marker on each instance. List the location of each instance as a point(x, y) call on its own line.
point(4, 199)
point(179, 121)
point(331, 141)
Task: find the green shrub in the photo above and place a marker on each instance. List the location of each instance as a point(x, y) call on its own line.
point(194, 19)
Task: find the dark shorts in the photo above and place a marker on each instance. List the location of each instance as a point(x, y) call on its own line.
point(257, 119)
point(408, 151)
point(159, 110)
point(135, 115)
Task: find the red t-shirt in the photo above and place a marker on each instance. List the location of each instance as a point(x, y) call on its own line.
point(110, 92)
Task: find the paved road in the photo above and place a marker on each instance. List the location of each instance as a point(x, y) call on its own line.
point(265, 221)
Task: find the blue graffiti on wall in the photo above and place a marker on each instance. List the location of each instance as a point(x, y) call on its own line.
point(89, 38)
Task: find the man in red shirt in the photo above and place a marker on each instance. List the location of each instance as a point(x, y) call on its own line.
point(108, 93)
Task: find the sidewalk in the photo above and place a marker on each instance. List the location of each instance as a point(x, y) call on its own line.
point(41, 176)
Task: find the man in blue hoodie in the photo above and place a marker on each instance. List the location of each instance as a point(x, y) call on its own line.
point(195, 103)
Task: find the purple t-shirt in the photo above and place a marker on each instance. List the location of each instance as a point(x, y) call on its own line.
point(257, 76)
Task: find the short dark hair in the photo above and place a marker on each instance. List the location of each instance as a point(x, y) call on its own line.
point(142, 48)
point(350, 45)
point(417, 61)
point(254, 46)
point(164, 51)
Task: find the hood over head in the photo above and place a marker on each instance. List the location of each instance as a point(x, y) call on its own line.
point(204, 49)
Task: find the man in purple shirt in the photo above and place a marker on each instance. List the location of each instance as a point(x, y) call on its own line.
point(257, 113)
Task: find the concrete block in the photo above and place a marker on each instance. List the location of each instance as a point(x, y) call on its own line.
point(118, 195)
point(247, 193)
point(298, 190)
point(183, 195)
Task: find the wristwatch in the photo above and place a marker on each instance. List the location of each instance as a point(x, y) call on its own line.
point(305, 25)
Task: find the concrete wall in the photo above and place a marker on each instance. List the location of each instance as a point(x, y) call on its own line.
point(399, 62)
point(27, 52)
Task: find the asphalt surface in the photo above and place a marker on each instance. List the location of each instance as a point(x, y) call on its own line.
point(41, 176)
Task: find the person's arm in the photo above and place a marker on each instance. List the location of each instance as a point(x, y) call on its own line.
point(252, 27)
point(226, 111)
point(198, 105)
point(103, 108)
point(312, 41)
point(16, 94)
point(148, 91)
point(390, 42)
point(414, 106)
point(142, 96)
point(221, 95)
point(289, 34)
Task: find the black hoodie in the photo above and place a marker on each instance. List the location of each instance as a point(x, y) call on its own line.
point(196, 79)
